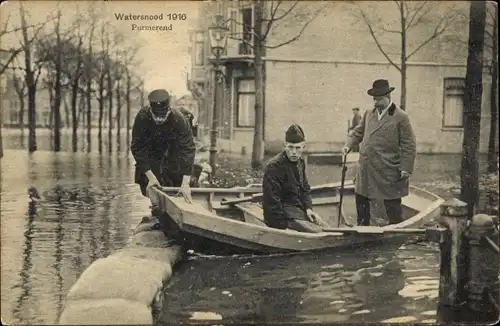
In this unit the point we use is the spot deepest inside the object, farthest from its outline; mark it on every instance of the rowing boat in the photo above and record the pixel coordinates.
(208, 220)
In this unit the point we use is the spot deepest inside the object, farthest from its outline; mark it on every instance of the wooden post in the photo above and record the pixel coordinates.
(453, 271)
(483, 286)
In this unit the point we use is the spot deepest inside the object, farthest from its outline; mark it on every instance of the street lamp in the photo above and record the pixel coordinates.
(218, 33)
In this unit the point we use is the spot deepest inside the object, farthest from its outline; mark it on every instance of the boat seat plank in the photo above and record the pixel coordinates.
(415, 202)
(253, 213)
(326, 201)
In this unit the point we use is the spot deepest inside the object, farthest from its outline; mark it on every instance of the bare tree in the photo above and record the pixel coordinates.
(491, 62)
(411, 14)
(20, 89)
(127, 61)
(10, 53)
(89, 69)
(119, 71)
(472, 105)
(103, 72)
(271, 19)
(491, 45)
(32, 73)
(75, 78)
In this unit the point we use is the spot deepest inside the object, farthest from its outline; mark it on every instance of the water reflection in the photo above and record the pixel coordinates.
(362, 286)
(88, 206)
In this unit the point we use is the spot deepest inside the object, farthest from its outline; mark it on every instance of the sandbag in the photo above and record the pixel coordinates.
(151, 239)
(131, 279)
(169, 255)
(105, 312)
(148, 223)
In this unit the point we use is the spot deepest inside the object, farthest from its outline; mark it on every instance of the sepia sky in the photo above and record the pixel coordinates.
(164, 54)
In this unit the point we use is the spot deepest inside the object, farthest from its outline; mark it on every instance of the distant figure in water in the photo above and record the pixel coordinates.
(33, 194)
(34, 198)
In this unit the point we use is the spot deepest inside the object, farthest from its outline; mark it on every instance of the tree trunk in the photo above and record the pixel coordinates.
(89, 90)
(472, 106)
(89, 116)
(57, 97)
(402, 103)
(74, 97)
(66, 110)
(258, 139)
(492, 153)
(127, 99)
(21, 113)
(30, 84)
(51, 104)
(110, 109)
(101, 113)
(118, 114)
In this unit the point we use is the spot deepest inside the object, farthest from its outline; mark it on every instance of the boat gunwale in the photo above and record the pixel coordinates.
(436, 201)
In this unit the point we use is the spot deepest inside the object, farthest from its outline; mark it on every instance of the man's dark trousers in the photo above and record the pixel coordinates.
(392, 207)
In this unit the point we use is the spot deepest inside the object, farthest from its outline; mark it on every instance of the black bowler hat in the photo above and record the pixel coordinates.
(295, 134)
(380, 87)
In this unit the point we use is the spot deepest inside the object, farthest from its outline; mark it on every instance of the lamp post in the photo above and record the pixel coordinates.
(218, 33)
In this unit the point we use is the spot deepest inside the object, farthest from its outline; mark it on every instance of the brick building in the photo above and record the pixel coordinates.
(316, 80)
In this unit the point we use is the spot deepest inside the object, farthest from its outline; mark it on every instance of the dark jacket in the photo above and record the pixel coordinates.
(282, 187)
(356, 119)
(150, 142)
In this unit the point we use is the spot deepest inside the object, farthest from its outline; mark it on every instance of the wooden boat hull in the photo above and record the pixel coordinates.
(206, 224)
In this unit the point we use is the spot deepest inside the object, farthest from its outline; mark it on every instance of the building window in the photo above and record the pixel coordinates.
(199, 48)
(246, 35)
(233, 23)
(453, 102)
(246, 103)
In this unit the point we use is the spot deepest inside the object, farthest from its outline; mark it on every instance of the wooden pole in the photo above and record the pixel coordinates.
(453, 271)
(483, 286)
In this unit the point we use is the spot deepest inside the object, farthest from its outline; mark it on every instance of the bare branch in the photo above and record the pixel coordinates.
(391, 30)
(12, 56)
(299, 34)
(271, 20)
(437, 32)
(4, 30)
(406, 9)
(275, 19)
(411, 20)
(372, 33)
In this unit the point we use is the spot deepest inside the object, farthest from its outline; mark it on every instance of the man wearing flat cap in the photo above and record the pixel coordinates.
(356, 119)
(386, 155)
(162, 145)
(287, 202)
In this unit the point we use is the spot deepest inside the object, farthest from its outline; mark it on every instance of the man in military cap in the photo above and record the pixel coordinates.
(162, 145)
(286, 192)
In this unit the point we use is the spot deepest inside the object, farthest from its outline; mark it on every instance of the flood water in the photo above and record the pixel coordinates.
(90, 205)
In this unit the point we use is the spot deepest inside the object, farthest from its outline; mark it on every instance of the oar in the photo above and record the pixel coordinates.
(253, 198)
(342, 181)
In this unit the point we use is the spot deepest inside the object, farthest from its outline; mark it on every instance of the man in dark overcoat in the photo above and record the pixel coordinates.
(386, 156)
(287, 202)
(162, 145)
